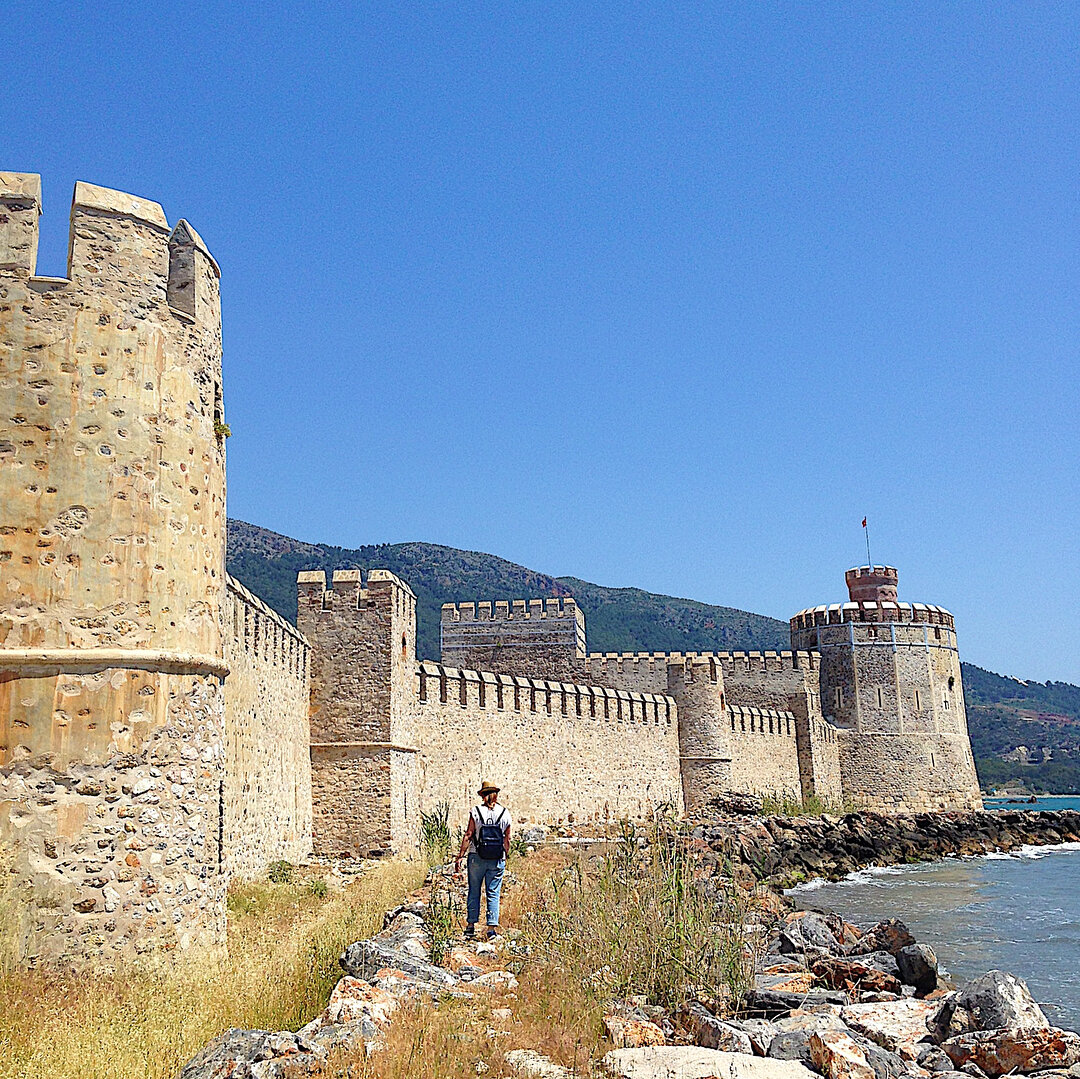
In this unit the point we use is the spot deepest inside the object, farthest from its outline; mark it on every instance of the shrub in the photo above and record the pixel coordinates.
(280, 872)
(644, 920)
(435, 837)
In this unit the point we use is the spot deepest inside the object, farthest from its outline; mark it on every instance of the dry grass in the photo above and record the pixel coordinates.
(641, 914)
(143, 1022)
(552, 1014)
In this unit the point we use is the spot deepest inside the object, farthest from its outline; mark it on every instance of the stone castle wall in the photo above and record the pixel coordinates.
(112, 488)
(267, 801)
(750, 723)
(534, 638)
(561, 752)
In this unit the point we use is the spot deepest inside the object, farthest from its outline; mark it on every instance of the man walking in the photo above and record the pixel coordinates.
(487, 839)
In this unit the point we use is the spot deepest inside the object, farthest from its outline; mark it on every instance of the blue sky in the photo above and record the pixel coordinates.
(657, 295)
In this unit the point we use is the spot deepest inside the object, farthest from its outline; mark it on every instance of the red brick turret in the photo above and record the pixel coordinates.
(876, 584)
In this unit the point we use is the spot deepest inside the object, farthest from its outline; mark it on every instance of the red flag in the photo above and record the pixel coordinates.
(864, 522)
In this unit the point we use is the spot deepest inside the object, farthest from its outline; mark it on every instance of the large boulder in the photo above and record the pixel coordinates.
(918, 966)
(256, 1054)
(769, 1003)
(713, 1033)
(807, 931)
(889, 936)
(996, 999)
(693, 1062)
(366, 958)
(1019, 1049)
(632, 1033)
(898, 1026)
(838, 1056)
(875, 972)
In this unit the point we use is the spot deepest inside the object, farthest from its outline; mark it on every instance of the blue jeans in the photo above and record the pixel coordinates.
(490, 874)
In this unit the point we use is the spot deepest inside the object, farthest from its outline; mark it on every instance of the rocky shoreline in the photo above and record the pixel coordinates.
(782, 851)
(828, 999)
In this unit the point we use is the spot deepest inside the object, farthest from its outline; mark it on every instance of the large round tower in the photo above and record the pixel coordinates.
(112, 518)
(890, 680)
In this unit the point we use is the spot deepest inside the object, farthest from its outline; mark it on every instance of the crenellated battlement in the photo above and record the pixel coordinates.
(347, 590)
(833, 614)
(507, 610)
(262, 632)
(749, 720)
(120, 249)
(638, 662)
(439, 684)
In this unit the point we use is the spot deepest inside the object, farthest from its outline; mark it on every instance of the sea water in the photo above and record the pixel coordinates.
(1017, 911)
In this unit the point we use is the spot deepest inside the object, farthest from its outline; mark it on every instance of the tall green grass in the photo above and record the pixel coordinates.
(644, 919)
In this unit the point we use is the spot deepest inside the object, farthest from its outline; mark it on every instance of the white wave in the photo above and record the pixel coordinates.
(807, 886)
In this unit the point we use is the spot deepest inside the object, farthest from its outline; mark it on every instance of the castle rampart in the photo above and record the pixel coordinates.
(538, 638)
(267, 796)
(112, 582)
(621, 748)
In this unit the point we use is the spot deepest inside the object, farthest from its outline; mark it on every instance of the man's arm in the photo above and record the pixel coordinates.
(465, 842)
(506, 840)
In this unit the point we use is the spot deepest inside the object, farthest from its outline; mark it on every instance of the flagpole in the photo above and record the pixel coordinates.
(866, 530)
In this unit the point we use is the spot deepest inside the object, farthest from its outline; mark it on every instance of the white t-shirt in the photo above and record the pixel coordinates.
(484, 815)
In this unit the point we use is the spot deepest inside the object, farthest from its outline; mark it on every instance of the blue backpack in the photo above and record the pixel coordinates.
(489, 837)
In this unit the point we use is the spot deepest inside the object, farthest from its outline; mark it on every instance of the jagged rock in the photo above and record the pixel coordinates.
(838, 1056)
(1021, 1049)
(769, 1003)
(713, 1033)
(898, 1026)
(533, 1065)
(932, 1058)
(256, 1054)
(791, 1045)
(534, 834)
(366, 958)
(918, 967)
(694, 1062)
(795, 982)
(996, 999)
(632, 1033)
(497, 981)
(873, 972)
(889, 936)
(351, 1001)
(807, 930)
(760, 1033)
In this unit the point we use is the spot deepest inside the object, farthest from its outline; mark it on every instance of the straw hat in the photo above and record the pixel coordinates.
(488, 788)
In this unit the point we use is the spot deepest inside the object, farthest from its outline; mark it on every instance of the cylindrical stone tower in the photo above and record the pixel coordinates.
(112, 524)
(697, 684)
(890, 680)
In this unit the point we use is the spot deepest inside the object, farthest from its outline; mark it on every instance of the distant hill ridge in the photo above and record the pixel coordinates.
(1003, 713)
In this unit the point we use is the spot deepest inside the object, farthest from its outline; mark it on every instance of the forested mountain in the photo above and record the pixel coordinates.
(1021, 732)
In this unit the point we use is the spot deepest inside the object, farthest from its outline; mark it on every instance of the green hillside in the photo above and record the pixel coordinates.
(616, 619)
(1003, 713)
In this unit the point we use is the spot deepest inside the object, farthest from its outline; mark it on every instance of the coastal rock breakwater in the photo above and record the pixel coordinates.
(782, 851)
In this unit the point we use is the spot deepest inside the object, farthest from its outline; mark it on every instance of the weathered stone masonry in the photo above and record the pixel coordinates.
(112, 497)
(267, 766)
(113, 740)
